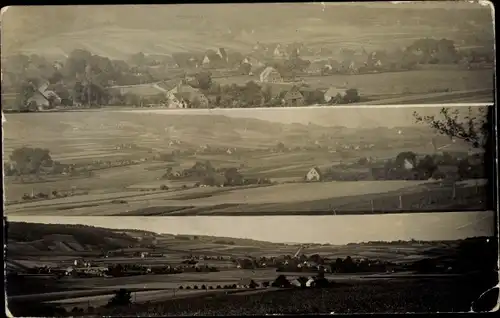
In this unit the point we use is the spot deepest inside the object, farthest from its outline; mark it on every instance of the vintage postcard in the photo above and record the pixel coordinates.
(213, 56)
(243, 159)
(312, 161)
(179, 266)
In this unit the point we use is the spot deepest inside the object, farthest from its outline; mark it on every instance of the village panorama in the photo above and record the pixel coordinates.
(211, 56)
(178, 266)
(269, 161)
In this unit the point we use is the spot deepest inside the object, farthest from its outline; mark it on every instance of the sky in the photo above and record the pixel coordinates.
(337, 230)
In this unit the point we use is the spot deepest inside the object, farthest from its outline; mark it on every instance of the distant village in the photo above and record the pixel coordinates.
(272, 74)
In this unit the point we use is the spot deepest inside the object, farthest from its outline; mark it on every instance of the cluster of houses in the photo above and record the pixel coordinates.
(183, 95)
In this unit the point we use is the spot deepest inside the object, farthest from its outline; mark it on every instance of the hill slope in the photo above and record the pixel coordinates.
(118, 31)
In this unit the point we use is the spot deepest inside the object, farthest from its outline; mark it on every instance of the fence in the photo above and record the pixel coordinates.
(442, 199)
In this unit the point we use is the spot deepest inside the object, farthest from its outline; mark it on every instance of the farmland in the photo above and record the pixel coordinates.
(86, 137)
(396, 87)
(153, 291)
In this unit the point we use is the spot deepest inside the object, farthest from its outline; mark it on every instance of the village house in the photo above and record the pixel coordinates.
(279, 52)
(333, 92)
(184, 94)
(270, 75)
(44, 98)
(316, 67)
(314, 174)
(293, 98)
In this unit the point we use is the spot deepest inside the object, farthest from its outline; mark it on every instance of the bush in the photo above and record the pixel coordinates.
(281, 281)
(195, 287)
(218, 287)
(181, 287)
(253, 284)
(188, 287)
(210, 287)
(163, 187)
(121, 298)
(203, 287)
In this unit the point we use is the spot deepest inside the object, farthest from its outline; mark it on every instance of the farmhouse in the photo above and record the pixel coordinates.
(278, 52)
(314, 174)
(332, 92)
(316, 67)
(184, 93)
(44, 98)
(293, 98)
(270, 75)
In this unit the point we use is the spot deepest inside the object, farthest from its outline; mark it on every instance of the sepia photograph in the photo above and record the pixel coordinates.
(248, 161)
(186, 266)
(214, 56)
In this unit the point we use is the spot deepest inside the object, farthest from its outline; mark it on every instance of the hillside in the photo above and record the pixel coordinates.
(69, 135)
(36, 237)
(120, 31)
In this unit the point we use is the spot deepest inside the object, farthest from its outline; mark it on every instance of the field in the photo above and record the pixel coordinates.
(134, 189)
(161, 294)
(84, 292)
(417, 86)
(392, 296)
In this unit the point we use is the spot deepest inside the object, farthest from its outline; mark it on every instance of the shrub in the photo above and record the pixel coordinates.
(281, 281)
(163, 187)
(203, 287)
(121, 298)
(188, 287)
(195, 287)
(181, 287)
(218, 287)
(210, 287)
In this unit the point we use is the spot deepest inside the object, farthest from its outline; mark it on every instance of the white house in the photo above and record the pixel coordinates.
(206, 61)
(332, 92)
(310, 282)
(314, 174)
(408, 165)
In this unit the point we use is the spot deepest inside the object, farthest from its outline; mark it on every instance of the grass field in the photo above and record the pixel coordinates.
(83, 137)
(477, 85)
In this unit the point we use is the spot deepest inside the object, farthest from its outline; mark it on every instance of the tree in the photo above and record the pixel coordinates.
(245, 68)
(26, 91)
(233, 177)
(471, 126)
(281, 281)
(351, 96)
(280, 146)
(29, 160)
(204, 80)
(253, 284)
(404, 156)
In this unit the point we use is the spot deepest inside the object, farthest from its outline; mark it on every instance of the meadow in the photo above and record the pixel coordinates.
(136, 189)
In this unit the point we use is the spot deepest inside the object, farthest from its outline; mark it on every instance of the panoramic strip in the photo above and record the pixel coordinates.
(193, 160)
(309, 161)
(183, 266)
